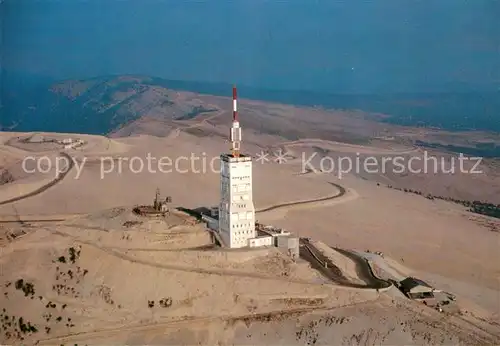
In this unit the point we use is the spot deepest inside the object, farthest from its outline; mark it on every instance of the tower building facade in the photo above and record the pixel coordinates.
(236, 208)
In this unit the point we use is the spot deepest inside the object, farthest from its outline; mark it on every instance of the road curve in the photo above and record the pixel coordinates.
(318, 260)
(45, 187)
(363, 269)
(341, 193)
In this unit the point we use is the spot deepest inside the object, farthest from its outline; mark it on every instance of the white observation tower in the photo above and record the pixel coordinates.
(236, 209)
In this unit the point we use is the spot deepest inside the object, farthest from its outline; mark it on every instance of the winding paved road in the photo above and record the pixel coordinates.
(318, 260)
(341, 193)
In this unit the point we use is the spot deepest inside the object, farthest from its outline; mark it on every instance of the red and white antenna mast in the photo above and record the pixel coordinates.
(235, 104)
(235, 133)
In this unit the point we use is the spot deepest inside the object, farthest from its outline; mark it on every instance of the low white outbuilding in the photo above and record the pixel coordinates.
(260, 241)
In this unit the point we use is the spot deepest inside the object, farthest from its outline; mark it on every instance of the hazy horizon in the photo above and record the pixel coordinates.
(355, 47)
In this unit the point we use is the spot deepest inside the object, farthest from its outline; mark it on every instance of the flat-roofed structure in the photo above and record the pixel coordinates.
(416, 289)
(236, 209)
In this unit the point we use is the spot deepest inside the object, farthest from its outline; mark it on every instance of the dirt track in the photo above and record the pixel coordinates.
(340, 146)
(160, 326)
(46, 186)
(219, 272)
(31, 220)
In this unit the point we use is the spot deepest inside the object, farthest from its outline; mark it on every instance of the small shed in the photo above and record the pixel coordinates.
(288, 243)
(416, 289)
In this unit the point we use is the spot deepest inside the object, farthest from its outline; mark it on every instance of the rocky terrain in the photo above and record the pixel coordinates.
(82, 268)
(127, 281)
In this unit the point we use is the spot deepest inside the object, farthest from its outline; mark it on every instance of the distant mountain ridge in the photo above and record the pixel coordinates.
(102, 104)
(94, 106)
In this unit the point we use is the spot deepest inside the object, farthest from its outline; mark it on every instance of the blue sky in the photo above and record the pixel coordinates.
(334, 46)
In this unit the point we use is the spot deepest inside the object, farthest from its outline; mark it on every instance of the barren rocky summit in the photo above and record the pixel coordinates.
(80, 266)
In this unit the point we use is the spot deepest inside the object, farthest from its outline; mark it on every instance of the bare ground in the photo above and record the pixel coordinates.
(216, 294)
